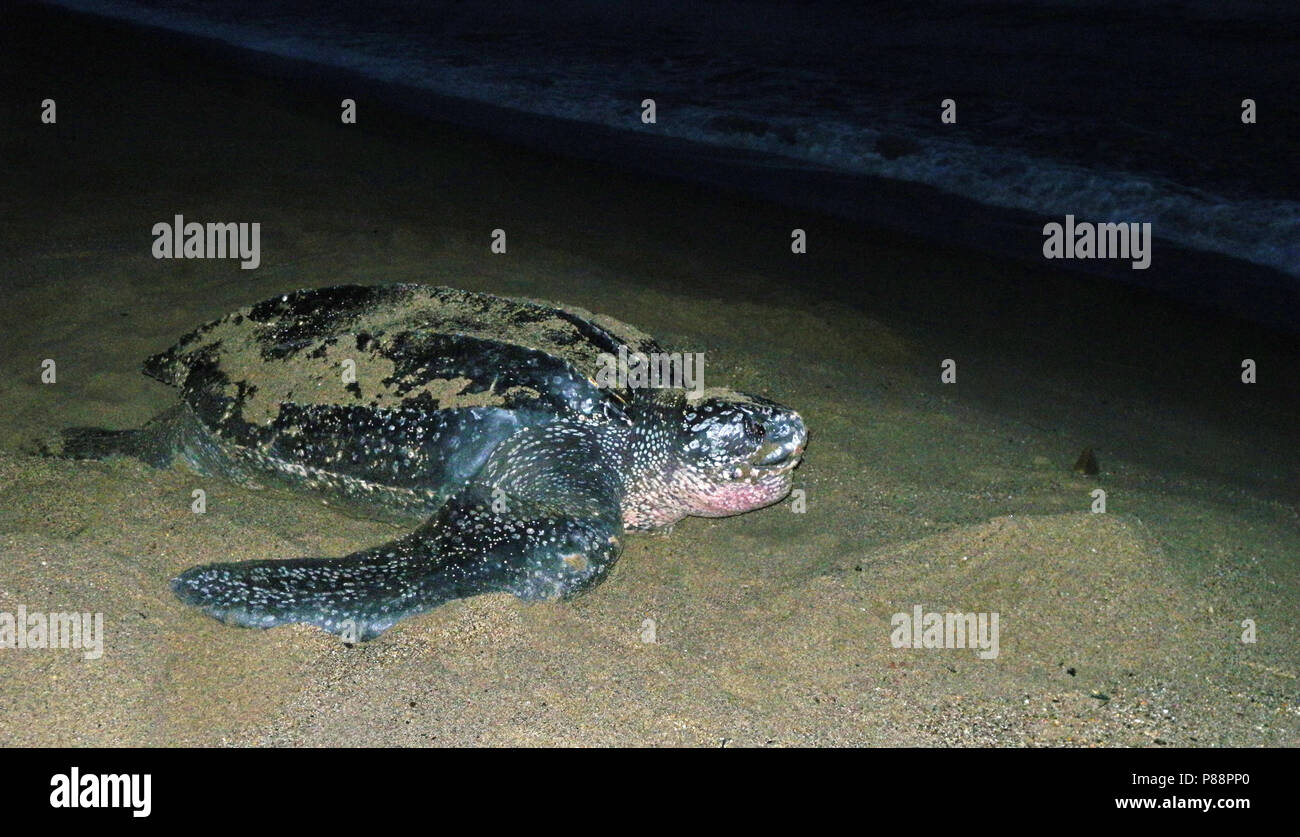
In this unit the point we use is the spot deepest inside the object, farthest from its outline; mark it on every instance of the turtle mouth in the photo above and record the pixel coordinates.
(776, 454)
(770, 459)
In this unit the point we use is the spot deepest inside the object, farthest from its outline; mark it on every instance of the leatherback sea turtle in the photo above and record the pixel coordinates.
(475, 413)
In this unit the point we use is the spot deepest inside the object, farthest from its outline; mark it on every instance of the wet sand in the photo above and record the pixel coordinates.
(773, 628)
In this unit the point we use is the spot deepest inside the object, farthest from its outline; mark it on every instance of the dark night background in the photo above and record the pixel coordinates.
(1112, 110)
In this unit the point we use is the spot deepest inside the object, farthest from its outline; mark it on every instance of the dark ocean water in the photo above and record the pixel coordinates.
(1110, 110)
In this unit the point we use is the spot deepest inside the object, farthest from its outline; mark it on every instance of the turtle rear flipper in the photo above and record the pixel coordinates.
(172, 434)
(97, 443)
(155, 444)
(467, 549)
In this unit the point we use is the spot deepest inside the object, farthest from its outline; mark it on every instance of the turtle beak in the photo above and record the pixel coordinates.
(783, 442)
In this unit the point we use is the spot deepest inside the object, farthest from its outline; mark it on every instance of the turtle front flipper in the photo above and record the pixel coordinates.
(467, 549)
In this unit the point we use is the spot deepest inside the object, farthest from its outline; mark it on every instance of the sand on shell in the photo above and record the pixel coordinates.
(773, 628)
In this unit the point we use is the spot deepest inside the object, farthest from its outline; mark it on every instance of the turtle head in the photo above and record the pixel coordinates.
(737, 452)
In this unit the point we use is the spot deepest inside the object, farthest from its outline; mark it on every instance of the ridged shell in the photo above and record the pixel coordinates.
(394, 384)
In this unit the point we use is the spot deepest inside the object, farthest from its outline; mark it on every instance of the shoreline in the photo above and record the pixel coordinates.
(910, 210)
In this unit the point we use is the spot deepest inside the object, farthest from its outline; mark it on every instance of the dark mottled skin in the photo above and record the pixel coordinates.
(475, 413)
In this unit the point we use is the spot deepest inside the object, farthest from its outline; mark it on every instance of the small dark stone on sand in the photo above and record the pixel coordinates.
(1087, 463)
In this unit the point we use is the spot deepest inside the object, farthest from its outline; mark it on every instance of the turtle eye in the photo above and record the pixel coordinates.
(754, 429)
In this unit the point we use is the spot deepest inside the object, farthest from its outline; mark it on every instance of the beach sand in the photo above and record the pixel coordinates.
(773, 628)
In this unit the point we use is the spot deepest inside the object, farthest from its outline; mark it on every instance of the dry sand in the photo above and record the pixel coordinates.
(773, 628)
